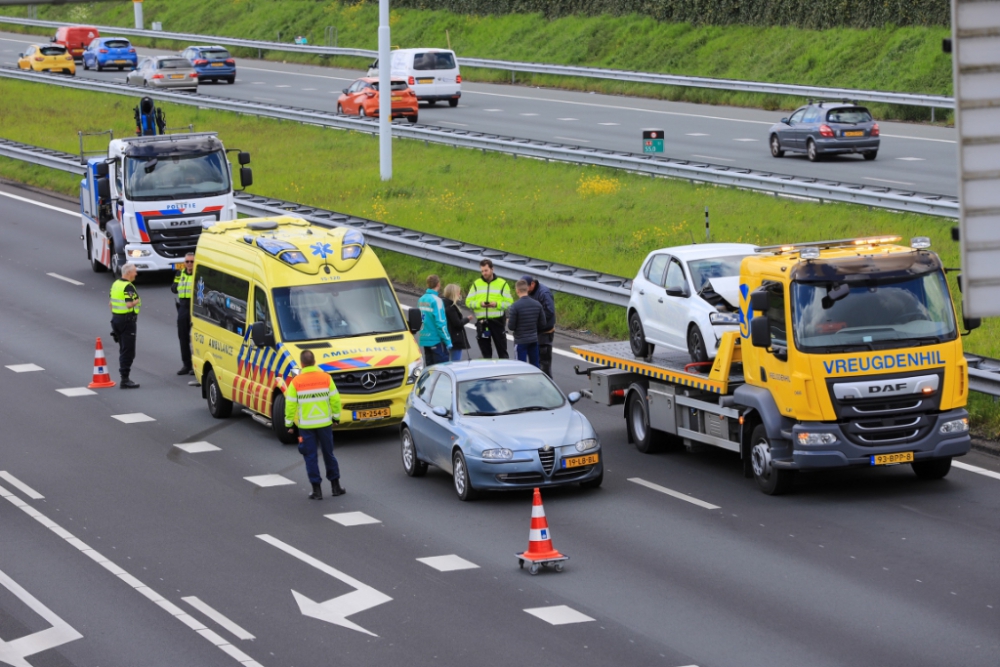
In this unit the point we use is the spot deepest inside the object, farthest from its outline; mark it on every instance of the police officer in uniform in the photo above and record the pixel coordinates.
(183, 287)
(489, 300)
(125, 303)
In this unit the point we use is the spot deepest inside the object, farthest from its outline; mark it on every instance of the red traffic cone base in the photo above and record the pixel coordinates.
(101, 378)
(540, 550)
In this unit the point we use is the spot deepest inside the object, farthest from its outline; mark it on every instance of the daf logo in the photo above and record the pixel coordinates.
(182, 223)
(368, 380)
(886, 388)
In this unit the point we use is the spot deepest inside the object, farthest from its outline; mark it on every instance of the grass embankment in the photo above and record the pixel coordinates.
(907, 59)
(583, 216)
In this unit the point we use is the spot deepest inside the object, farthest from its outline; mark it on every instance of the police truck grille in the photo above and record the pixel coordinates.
(360, 381)
(548, 459)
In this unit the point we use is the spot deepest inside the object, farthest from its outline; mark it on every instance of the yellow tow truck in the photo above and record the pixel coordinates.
(848, 354)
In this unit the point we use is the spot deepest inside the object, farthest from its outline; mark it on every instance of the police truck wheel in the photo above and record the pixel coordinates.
(933, 469)
(637, 422)
(637, 337)
(278, 422)
(116, 264)
(95, 265)
(218, 406)
(413, 466)
(696, 344)
(771, 480)
(460, 475)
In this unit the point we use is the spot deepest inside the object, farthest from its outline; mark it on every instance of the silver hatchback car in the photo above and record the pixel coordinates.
(164, 72)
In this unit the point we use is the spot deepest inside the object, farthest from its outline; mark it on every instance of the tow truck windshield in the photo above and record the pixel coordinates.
(176, 177)
(874, 315)
(341, 310)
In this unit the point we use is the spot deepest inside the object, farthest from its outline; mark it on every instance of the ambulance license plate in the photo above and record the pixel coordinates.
(430, 80)
(578, 461)
(854, 133)
(892, 459)
(380, 413)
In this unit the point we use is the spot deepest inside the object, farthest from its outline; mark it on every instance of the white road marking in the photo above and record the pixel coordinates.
(64, 278)
(528, 114)
(335, 610)
(278, 71)
(698, 134)
(75, 214)
(76, 391)
(133, 418)
(137, 585)
(282, 85)
(448, 563)
(198, 447)
(448, 122)
(902, 136)
(709, 157)
(582, 141)
(257, 83)
(60, 632)
(976, 469)
(269, 480)
(559, 615)
(492, 110)
(305, 89)
(609, 123)
(265, 99)
(21, 486)
(885, 180)
(217, 616)
(352, 518)
(911, 159)
(25, 368)
(672, 493)
(568, 119)
(745, 139)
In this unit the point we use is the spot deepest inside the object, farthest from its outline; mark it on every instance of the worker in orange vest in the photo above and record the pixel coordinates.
(312, 403)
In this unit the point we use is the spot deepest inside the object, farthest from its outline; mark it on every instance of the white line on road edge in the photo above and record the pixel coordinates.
(216, 616)
(75, 214)
(710, 157)
(21, 486)
(69, 280)
(975, 469)
(139, 587)
(886, 180)
(582, 141)
(675, 494)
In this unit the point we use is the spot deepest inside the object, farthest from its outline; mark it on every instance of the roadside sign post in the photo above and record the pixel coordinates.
(137, 6)
(652, 141)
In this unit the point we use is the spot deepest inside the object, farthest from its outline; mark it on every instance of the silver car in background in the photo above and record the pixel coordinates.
(164, 72)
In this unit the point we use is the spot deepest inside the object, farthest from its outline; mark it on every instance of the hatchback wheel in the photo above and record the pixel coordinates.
(811, 151)
(870, 155)
(460, 474)
(696, 344)
(361, 112)
(453, 102)
(637, 337)
(776, 147)
(412, 119)
(413, 466)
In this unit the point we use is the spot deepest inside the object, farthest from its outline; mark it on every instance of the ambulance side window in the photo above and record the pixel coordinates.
(220, 298)
(261, 313)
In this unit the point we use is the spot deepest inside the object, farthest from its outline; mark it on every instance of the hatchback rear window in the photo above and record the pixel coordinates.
(437, 60)
(215, 54)
(849, 115)
(53, 50)
(396, 85)
(175, 63)
(117, 44)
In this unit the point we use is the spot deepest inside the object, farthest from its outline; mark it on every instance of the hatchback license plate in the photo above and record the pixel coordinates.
(176, 76)
(892, 459)
(362, 415)
(578, 461)
(854, 133)
(121, 62)
(218, 64)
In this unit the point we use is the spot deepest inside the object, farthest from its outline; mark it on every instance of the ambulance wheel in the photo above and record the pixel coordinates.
(218, 406)
(772, 481)
(933, 469)
(534, 568)
(278, 422)
(637, 422)
(460, 476)
(637, 337)
(413, 466)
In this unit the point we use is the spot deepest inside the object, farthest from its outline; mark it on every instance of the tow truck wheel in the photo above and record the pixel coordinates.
(278, 422)
(637, 337)
(637, 421)
(771, 480)
(933, 469)
(218, 406)
(413, 466)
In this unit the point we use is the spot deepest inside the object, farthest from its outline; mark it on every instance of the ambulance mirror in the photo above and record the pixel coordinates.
(414, 320)
(760, 332)
(260, 335)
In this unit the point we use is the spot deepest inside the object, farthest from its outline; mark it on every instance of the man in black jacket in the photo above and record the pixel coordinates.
(524, 320)
(546, 336)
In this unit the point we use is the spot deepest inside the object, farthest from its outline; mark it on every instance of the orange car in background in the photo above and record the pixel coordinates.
(76, 38)
(361, 99)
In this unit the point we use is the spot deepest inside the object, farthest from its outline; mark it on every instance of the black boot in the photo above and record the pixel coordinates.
(335, 488)
(185, 371)
(128, 384)
(317, 493)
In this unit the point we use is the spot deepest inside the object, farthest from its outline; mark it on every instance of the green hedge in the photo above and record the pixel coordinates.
(815, 14)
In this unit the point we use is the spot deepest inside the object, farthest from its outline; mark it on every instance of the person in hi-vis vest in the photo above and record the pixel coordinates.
(312, 403)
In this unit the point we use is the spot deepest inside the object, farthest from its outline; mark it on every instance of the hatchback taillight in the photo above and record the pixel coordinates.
(69, 57)
(874, 132)
(200, 61)
(156, 76)
(458, 78)
(131, 50)
(410, 81)
(39, 59)
(193, 75)
(230, 61)
(104, 50)
(825, 131)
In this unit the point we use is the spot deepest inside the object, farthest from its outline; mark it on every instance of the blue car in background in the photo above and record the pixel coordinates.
(110, 52)
(498, 424)
(212, 63)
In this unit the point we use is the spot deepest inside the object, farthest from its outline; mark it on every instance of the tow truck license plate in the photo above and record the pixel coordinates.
(362, 415)
(578, 461)
(430, 80)
(892, 459)
(854, 133)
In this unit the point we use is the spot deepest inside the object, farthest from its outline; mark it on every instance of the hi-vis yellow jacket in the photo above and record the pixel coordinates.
(312, 400)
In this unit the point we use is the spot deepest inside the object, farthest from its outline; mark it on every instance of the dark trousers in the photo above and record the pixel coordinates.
(311, 439)
(124, 328)
(497, 330)
(436, 354)
(184, 330)
(545, 352)
(527, 352)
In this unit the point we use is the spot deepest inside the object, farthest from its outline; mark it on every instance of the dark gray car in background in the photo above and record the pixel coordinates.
(825, 128)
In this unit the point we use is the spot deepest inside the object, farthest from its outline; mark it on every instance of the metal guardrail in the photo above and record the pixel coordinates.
(984, 373)
(888, 97)
(692, 170)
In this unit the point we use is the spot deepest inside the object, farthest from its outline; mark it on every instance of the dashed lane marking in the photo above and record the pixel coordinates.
(197, 447)
(675, 494)
(698, 134)
(911, 159)
(25, 368)
(528, 114)
(448, 122)
(448, 563)
(64, 278)
(21, 486)
(76, 391)
(746, 139)
(568, 119)
(308, 89)
(269, 480)
(976, 469)
(133, 418)
(282, 85)
(559, 615)
(218, 617)
(492, 110)
(352, 518)
(75, 214)
(609, 123)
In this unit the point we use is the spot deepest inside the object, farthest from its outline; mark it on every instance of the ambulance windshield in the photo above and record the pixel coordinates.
(337, 310)
(150, 178)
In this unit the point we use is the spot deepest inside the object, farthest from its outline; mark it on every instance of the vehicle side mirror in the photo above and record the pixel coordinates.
(52, 39)
(414, 320)
(104, 189)
(677, 291)
(441, 411)
(970, 323)
(261, 335)
(101, 169)
(760, 332)
(246, 177)
(344, 91)
(759, 300)
(785, 121)
(574, 396)
(243, 157)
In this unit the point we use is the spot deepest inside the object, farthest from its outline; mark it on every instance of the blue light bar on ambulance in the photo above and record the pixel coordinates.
(283, 250)
(352, 245)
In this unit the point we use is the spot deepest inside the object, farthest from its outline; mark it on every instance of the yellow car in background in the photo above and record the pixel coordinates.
(50, 57)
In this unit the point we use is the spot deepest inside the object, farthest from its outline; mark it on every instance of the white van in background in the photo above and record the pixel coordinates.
(431, 73)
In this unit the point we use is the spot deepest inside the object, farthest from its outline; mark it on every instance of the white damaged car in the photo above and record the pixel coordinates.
(685, 298)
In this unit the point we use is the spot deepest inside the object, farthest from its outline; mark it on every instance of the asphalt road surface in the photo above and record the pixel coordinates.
(912, 157)
(120, 547)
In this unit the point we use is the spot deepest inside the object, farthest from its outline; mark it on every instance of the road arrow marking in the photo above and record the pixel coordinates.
(335, 610)
(14, 652)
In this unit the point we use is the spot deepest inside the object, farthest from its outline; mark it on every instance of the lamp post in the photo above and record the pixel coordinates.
(384, 93)
(137, 6)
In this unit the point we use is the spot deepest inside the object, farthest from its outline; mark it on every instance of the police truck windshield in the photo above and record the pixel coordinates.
(874, 315)
(337, 310)
(176, 177)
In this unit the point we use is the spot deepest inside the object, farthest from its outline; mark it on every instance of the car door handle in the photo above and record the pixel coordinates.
(660, 299)
(423, 414)
(642, 292)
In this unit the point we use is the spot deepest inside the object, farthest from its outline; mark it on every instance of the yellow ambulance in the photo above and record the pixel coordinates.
(265, 289)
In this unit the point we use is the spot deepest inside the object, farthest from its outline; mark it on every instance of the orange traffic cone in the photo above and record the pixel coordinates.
(540, 551)
(101, 377)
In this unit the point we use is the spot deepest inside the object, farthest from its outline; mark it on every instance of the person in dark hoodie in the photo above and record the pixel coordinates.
(524, 320)
(457, 320)
(543, 295)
